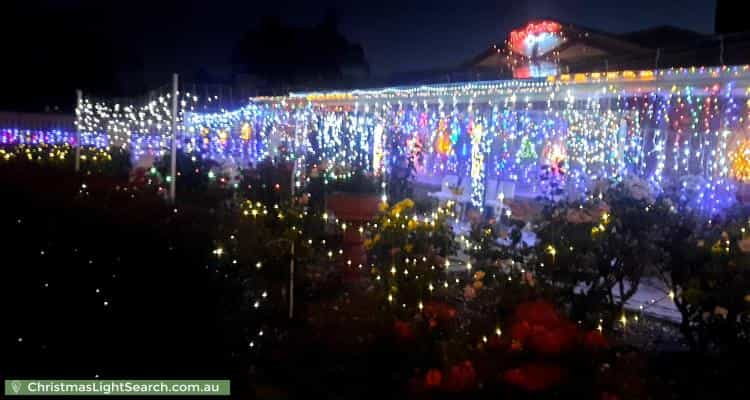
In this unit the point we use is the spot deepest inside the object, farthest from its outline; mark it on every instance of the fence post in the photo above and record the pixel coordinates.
(79, 96)
(173, 161)
(291, 262)
(291, 282)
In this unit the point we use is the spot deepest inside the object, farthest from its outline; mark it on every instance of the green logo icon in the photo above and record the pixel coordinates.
(16, 386)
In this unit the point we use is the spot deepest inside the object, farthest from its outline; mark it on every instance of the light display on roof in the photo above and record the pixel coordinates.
(536, 39)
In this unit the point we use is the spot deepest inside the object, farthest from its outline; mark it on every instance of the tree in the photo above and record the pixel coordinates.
(55, 51)
(299, 57)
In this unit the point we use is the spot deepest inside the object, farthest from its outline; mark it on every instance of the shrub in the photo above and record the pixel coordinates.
(708, 274)
(409, 252)
(593, 254)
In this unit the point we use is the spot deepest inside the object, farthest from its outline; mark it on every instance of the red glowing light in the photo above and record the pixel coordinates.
(542, 35)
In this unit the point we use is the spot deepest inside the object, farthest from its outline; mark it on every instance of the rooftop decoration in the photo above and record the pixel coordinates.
(536, 39)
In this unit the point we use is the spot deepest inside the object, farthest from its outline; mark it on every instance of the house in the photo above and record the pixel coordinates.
(547, 47)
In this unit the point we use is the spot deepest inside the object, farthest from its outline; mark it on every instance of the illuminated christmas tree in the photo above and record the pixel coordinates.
(527, 150)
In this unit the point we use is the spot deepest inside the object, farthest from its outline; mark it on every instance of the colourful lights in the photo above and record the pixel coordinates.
(671, 127)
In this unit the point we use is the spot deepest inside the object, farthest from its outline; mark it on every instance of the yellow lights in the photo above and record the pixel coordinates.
(498, 331)
(645, 75)
(740, 161)
(551, 250)
(246, 131)
(329, 96)
(612, 75)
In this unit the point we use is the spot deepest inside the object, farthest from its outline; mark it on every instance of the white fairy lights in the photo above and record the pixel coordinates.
(674, 126)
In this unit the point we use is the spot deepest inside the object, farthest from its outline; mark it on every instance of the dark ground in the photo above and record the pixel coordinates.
(165, 315)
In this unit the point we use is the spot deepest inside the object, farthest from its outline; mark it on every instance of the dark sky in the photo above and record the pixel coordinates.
(402, 35)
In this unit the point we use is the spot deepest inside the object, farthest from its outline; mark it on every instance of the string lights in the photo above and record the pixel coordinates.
(667, 126)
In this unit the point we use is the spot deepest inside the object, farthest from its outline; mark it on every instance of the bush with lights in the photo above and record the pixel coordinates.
(198, 179)
(111, 162)
(254, 250)
(708, 276)
(498, 280)
(594, 253)
(267, 182)
(410, 253)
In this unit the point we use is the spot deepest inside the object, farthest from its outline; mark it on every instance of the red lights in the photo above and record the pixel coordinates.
(523, 40)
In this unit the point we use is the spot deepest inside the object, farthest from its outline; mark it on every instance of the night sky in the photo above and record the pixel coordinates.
(161, 36)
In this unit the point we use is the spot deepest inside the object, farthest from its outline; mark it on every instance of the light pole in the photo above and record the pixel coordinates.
(79, 95)
(173, 161)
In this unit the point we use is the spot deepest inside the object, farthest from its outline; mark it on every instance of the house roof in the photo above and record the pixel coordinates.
(575, 35)
(587, 50)
(665, 36)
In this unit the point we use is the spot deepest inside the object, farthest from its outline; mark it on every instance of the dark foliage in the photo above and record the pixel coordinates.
(287, 56)
(358, 183)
